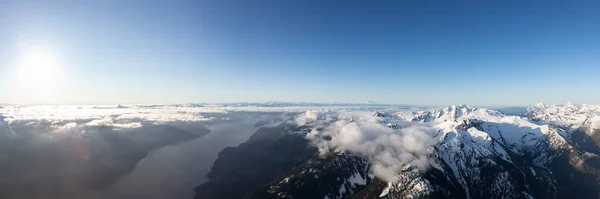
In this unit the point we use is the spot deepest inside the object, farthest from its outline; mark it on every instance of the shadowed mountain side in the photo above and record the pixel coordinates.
(267, 154)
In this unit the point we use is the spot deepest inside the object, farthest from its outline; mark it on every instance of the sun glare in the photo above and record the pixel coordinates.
(37, 71)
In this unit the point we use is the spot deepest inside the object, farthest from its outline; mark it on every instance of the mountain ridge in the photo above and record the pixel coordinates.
(473, 153)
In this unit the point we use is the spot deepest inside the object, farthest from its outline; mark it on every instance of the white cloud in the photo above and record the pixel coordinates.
(108, 121)
(69, 118)
(311, 116)
(74, 112)
(66, 126)
(390, 151)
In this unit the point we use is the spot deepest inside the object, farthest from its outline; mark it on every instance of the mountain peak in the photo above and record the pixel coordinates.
(539, 105)
(570, 104)
(461, 106)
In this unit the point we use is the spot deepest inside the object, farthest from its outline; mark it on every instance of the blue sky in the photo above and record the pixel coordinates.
(408, 52)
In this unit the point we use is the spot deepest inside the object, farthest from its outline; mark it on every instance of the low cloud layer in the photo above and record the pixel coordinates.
(55, 122)
(390, 150)
(92, 112)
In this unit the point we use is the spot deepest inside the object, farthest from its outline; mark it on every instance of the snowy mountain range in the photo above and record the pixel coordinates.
(450, 152)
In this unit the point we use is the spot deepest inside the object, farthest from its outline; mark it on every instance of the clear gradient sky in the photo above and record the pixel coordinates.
(408, 52)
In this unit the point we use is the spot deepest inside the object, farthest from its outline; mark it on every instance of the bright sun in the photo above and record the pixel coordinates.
(37, 70)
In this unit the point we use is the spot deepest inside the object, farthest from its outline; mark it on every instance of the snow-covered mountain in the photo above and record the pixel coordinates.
(490, 155)
(568, 116)
(450, 152)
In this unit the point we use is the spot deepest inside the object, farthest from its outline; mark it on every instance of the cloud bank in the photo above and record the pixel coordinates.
(390, 151)
(74, 121)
